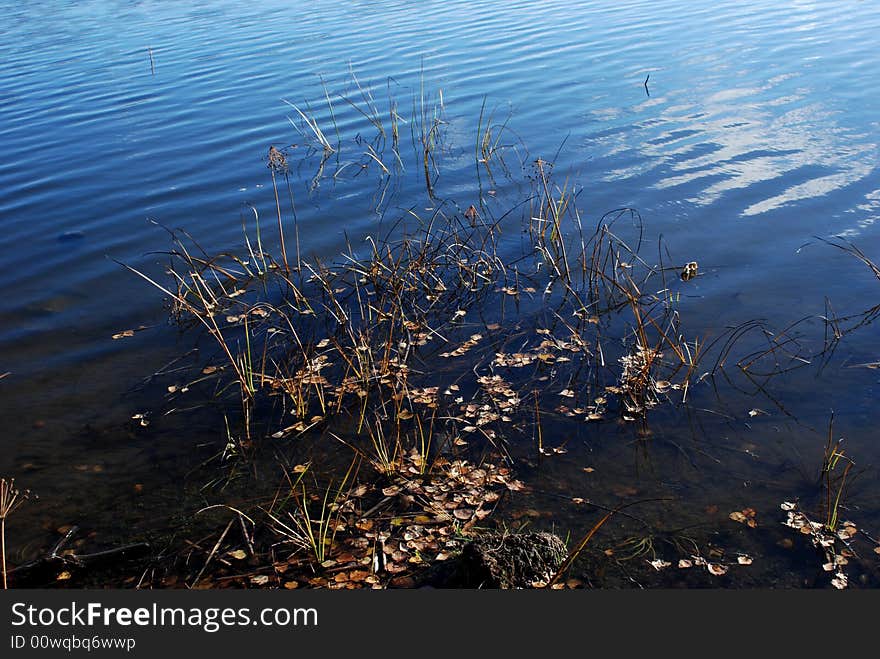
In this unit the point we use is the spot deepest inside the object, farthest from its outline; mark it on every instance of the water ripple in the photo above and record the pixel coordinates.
(762, 112)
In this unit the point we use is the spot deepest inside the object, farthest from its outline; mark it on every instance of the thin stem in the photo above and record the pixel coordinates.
(3, 545)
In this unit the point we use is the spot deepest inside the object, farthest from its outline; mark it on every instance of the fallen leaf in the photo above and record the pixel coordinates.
(744, 560)
(745, 516)
(848, 531)
(359, 491)
(238, 554)
(717, 569)
(142, 418)
(260, 580)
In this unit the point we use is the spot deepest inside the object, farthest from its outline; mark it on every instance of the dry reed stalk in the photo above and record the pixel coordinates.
(11, 498)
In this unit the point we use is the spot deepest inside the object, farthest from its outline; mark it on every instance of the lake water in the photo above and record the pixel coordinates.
(741, 132)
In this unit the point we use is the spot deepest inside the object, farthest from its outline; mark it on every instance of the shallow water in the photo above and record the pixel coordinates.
(756, 132)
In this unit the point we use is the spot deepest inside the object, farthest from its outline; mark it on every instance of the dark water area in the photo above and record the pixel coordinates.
(743, 133)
